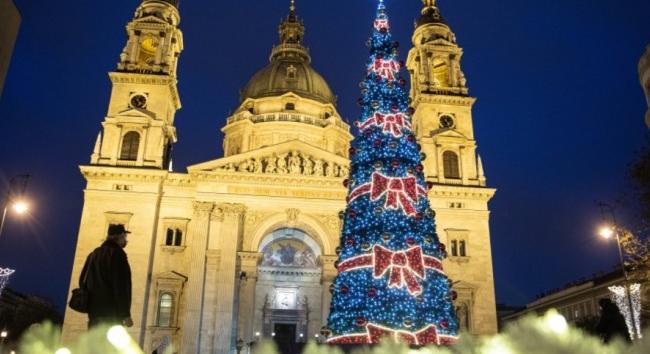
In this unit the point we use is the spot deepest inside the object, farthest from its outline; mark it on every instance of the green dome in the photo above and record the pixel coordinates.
(290, 69)
(286, 75)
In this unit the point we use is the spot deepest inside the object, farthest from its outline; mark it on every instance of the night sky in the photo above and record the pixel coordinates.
(559, 113)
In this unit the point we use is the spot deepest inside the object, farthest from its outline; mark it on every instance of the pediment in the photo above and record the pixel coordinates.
(463, 285)
(171, 276)
(448, 133)
(289, 158)
(137, 112)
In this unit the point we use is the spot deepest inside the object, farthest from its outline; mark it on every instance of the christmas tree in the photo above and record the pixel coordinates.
(390, 281)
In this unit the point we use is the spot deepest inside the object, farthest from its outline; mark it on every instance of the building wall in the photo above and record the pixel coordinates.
(9, 24)
(644, 76)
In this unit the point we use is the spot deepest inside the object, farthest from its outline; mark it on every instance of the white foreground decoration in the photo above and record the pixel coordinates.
(620, 298)
(5, 273)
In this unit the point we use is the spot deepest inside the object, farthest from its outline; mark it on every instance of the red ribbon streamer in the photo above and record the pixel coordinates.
(375, 333)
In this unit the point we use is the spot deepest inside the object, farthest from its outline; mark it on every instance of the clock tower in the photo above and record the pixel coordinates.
(138, 130)
(443, 125)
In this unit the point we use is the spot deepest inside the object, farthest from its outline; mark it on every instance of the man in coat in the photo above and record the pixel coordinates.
(612, 323)
(108, 280)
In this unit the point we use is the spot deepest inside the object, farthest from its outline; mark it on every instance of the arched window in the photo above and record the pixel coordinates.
(440, 72)
(450, 164)
(165, 310)
(290, 107)
(130, 146)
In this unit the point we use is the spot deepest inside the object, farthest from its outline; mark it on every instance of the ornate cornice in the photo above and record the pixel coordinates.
(462, 192)
(268, 179)
(144, 79)
(444, 99)
(122, 173)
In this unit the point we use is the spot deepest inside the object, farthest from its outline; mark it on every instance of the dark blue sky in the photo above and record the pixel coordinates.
(558, 118)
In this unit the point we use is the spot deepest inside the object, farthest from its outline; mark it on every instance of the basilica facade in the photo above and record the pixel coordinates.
(244, 246)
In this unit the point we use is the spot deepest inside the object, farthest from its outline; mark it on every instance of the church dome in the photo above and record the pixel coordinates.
(286, 75)
(290, 69)
(430, 15)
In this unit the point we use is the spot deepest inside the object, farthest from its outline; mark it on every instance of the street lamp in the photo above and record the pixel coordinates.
(609, 232)
(14, 198)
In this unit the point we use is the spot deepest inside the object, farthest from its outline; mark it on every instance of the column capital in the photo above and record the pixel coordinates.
(231, 209)
(203, 208)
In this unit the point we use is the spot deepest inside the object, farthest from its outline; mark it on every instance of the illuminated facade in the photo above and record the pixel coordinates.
(9, 24)
(245, 244)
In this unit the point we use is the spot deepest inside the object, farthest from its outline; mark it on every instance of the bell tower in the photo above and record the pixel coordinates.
(443, 118)
(443, 125)
(138, 130)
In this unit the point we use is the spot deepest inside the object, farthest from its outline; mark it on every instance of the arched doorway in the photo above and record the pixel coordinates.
(288, 292)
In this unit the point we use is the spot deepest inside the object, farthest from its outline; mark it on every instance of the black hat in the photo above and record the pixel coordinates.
(114, 230)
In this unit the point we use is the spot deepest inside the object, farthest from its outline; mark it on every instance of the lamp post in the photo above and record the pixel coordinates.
(609, 232)
(14, 198)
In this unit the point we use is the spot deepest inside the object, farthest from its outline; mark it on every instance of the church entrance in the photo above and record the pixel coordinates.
(285, 337)
(288, 305)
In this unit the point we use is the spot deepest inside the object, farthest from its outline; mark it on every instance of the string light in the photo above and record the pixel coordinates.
(390, 282)
(620, 298)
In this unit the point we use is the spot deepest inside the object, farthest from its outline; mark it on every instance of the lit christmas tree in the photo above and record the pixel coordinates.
(390, 280)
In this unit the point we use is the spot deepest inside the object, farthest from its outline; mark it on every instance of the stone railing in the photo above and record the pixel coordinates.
(289, 117)
(293, 163)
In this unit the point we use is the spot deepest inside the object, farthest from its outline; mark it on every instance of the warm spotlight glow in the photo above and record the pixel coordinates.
(63, 351)
(4, 334)
(556, 322)
(119, 337)
(20, 207)
(606, 232)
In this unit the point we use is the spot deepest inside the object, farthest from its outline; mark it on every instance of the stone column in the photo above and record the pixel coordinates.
(329, 273)
(199, 229)
(226, 280)
(247, 286)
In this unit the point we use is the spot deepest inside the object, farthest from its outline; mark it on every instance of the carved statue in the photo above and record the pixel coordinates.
(463, 80)
(307, 166)
(282, 164)
(344, 171)
(257, 165)
(243, 166)
(294, 163)
(330, 171)
(271, 164)
(318, 167)
(230, 167)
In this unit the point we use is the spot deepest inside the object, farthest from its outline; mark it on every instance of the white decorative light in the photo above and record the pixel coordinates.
(621, 300)
(556, 322)
(5, 273)
(63, 351)
(119, 337)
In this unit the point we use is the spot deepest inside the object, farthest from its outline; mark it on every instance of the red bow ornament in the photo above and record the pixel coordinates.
(401, 192)
(385, 68)
(405, 268)
(390, 123)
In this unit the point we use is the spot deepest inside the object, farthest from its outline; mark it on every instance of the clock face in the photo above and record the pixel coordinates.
(149, 45)
(138, 101)
(446, 121)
